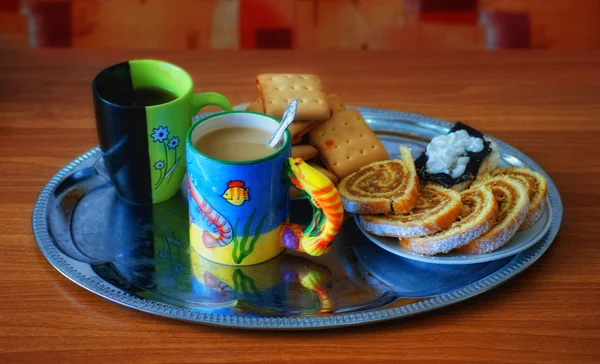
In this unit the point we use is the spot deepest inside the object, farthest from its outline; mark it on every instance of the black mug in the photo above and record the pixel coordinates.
(144, 109)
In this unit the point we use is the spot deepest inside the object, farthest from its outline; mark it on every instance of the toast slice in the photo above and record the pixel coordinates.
(437, 208)
(513, 200)
(384, 187)
(538, 189)
(478, 216)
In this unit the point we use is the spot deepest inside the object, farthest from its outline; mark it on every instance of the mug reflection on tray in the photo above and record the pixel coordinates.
(253, 283)
(264, 286)
(148, 248)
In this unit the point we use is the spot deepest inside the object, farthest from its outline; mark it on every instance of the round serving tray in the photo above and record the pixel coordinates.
(140, 257)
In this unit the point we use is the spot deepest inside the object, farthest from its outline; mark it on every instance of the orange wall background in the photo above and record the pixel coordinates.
(304, 24)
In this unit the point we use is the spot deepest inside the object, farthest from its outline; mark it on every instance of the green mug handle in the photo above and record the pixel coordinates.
(203, 99)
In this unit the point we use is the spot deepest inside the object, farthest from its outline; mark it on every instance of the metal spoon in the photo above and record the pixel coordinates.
(286, 120)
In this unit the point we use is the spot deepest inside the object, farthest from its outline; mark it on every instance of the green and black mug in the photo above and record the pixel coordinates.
(144, 109)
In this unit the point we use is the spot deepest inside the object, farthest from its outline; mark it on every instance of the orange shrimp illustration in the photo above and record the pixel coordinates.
(317, 238)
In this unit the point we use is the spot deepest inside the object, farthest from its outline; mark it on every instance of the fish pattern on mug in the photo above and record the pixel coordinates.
(236, 194)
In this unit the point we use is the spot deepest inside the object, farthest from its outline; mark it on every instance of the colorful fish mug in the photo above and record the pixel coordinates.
(239, 211)
(144, 109)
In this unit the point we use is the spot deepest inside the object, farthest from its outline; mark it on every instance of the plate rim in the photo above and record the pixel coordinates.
(82, 274)
(468, 259)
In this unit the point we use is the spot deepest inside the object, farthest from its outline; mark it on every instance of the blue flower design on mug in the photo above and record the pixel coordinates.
(166, 166)
(160, 134)
(163, 254)
(167, 282)
(158, 165)
(173, 142)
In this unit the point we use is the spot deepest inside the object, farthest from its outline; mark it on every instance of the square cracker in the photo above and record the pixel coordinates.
(256, 106)
(304, 152)
(335, 104)
(299, 128)
(278, 90)
(346, 143)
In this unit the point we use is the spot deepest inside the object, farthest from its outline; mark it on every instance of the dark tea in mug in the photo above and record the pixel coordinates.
(141, 96)
(148, 96)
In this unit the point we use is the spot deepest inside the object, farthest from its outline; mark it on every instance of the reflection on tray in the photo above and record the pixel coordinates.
(145, 250)
(252, 282)
(414, 279)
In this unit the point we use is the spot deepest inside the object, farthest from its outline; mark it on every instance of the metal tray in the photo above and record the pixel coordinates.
(139, 256)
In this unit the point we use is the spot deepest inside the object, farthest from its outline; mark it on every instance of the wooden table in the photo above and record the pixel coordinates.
(545, 104)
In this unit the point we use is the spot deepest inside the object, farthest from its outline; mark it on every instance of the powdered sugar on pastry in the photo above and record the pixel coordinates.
(533, 216)
(488, 243)
(513, 200)
(447, 243)
(478, 216)
(394, 230)
(437, 207)
(538, 188)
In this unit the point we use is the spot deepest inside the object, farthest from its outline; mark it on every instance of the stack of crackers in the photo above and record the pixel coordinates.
(332, 138)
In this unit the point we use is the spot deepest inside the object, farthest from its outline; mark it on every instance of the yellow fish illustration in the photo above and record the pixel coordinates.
(236, 194)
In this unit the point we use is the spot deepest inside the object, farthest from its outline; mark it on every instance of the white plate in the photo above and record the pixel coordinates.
(521, 241)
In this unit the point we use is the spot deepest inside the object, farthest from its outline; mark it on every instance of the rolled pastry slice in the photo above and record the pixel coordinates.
(513, 200)
(384, 187)
(437, 208)
(538, 189)
(478, 216)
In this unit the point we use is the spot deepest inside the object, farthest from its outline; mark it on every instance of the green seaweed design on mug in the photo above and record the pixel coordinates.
(244, 284)
(242, 248)
(165, 166)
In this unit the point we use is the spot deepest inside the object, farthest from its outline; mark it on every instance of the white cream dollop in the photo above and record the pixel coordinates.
(448, 153)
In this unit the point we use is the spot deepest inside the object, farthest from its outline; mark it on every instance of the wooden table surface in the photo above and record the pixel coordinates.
(545, 104)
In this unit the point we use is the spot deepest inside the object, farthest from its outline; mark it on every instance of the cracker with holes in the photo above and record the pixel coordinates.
(299, 128)
(346, 143)
(335, 104)
(256, 106)
(304, 152)
(278, 90)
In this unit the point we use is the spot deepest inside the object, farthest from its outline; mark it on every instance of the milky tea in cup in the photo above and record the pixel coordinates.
(235, 144)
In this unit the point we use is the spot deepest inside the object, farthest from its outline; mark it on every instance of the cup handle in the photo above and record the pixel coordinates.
(328, 213)
(203, 99)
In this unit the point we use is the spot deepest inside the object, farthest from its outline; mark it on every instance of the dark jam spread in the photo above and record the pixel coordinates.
(471, 169)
